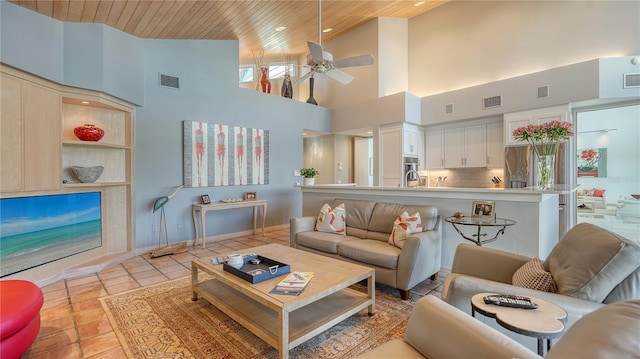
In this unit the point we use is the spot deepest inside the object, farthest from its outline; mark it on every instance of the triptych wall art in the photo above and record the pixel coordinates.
(222, 155)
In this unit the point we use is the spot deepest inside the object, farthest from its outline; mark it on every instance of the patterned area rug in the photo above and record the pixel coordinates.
(162, 321)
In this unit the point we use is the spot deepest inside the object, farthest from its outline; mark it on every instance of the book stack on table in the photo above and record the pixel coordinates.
(293, 284)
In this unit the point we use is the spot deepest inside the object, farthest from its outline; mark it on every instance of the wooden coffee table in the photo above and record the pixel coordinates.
(545, 322)
(285, 321)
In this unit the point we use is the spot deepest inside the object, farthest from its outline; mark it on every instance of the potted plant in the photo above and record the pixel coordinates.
(309, 175)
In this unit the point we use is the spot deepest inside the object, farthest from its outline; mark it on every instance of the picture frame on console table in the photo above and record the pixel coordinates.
(250, 196)
(205, 199)
(483, 209)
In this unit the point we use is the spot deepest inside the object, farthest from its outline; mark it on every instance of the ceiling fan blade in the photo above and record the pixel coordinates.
(362, 60)
(316, 51)
(306, 76)
(342, 77)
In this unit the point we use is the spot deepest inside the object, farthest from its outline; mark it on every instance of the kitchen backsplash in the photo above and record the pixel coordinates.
(464, 177)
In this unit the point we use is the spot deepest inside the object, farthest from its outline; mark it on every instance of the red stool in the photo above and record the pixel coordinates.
(20, 303)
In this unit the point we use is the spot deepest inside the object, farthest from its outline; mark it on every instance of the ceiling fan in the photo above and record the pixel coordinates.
(321, 62)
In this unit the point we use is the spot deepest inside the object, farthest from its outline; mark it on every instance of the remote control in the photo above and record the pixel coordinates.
(513, 301)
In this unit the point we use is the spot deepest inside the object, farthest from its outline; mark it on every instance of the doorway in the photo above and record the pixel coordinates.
(608, 168)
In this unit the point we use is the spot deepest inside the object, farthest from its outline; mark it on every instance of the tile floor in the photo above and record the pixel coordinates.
(607, 220)
(74, 324)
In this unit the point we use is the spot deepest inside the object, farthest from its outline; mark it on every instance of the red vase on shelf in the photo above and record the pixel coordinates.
(88, 132)
(265, 84)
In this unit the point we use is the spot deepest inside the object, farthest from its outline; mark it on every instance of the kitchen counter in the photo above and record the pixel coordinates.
(535, 211)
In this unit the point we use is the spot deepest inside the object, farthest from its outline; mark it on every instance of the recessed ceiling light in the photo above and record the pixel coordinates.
(84, 102)
(419, 3)
(281, 28)
(369, 132)
(329, 29)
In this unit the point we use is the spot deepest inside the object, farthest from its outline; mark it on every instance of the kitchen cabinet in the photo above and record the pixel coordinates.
(412, 141)
(465, 146)
(434, 149)
(29, 134)
(513, 121)
(397, 142)
(495, 146)
(390, 150)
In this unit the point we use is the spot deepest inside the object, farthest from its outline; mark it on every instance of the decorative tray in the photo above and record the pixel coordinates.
(256, 273)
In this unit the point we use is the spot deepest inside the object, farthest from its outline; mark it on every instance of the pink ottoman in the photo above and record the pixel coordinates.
(20, 303)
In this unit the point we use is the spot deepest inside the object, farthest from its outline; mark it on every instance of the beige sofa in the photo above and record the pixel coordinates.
(439, 330)
(590, 267)
(368, 226)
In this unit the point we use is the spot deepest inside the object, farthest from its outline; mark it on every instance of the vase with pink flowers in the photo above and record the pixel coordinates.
(545, 138)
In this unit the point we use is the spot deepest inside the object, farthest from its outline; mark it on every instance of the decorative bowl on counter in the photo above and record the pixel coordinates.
(88, 132)
(87, 174)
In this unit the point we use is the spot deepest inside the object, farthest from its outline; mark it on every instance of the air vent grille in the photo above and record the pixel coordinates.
(491, 102)
(543, 91)
(448, 108)
(169, 81)
(631, 80)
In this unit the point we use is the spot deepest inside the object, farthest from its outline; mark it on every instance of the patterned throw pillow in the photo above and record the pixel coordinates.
(403, 226)
(533, 276)
(332, 220)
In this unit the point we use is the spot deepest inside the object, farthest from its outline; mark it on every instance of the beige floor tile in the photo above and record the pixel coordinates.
(59, 285)
(112, 353)
(91, 279)
(146, 274)
(55, 294)
(178, 274)
(86, 292)
(55, 325)
(89, 315)
(123, 287)
(51, 342)
(66, 351)
(117, 280)
(86, 305)
(118, 273)
(153, 280)
(99, 344)
(140, 268)
(94, 328)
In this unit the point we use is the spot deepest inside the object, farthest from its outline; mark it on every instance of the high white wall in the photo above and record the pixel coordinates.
(466, 43)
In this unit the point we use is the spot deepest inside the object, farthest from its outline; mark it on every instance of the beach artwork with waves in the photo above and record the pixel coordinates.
(43, 229)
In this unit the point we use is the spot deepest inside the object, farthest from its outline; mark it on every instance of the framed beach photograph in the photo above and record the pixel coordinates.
(205, 199)
(248, 196)
(486, 209)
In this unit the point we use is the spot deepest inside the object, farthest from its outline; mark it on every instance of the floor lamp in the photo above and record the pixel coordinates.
(167, 249)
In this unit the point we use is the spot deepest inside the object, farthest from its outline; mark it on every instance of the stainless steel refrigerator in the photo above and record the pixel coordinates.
(520, 172)
(520, 167)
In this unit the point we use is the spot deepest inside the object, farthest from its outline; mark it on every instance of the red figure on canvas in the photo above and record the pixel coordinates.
(240, 153)
(199, 151)
(258, 152)
(221, 152)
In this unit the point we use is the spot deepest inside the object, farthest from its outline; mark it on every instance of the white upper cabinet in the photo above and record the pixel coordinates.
(412, 141)
(495, 145)
(465, 146)
(434, 151)
(532, 117)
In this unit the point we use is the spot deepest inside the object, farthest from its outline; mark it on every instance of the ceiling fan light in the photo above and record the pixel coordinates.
(419, 3)
(329, 29)
(281, 28)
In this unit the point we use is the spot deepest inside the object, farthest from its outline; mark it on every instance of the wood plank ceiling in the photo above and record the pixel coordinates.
(252, 23)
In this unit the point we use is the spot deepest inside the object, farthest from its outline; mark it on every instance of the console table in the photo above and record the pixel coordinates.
(204, 208)
(500, 223)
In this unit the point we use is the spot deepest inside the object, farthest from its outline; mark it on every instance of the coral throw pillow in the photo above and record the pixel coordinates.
(533, 276)
(403, 226)
(332, 220)
(598, 192)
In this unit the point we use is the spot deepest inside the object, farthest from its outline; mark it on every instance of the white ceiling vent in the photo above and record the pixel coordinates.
(491, 102)
(543, 91)
(448, 108)
(169, 81)
(631, 80)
